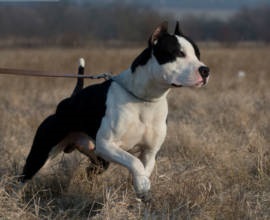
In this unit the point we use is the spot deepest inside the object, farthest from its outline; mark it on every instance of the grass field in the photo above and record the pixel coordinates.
(214, 164)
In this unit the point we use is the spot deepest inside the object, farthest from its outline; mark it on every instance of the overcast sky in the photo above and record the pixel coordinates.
(198, 4)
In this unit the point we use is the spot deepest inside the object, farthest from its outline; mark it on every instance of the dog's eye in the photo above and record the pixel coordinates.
(181, 53)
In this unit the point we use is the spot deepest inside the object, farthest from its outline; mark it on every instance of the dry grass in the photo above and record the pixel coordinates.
(214, 164)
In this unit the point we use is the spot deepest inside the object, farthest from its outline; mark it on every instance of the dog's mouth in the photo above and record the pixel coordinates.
(197, 84)
(175, 85)
(200, 83)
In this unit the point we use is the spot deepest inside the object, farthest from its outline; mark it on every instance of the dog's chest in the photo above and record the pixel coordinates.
(129, 121)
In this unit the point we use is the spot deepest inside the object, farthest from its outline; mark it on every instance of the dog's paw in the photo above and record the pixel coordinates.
(96, 167)
(142, 185)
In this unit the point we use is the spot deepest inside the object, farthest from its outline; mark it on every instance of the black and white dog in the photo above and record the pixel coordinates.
(106, 121)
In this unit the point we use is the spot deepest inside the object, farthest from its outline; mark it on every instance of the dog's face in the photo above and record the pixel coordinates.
(175, 59)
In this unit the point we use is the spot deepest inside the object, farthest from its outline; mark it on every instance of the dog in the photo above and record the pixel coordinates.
(106, 121)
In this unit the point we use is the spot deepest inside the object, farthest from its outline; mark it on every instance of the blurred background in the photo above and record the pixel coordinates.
(215, 161)
(74, 23)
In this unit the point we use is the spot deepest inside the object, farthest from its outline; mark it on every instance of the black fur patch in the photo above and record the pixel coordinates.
(196, 48)
(179, 33)
(84, 111)
(142, 59)
(81, 112)
(167, 49)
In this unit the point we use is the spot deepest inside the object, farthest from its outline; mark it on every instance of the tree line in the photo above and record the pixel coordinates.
(75, 25)
(248, 24)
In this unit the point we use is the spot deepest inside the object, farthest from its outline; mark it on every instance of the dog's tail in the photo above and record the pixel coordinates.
(80, 81)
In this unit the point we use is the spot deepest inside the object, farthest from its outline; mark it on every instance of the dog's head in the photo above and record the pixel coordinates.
(173, 58)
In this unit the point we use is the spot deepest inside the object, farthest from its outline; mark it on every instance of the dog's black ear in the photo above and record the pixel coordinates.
(158, 32)
(177, 30)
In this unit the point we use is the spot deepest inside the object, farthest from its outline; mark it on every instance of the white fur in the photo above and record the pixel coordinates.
(137, 110)
(82, 62)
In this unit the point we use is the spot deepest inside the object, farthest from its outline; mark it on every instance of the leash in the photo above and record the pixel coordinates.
(36, 73)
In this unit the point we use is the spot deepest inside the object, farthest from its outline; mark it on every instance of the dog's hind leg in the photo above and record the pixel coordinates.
(49, 134)
(86, 145)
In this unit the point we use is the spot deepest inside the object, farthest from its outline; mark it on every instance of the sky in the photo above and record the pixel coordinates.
(221, 9)
(198, 4)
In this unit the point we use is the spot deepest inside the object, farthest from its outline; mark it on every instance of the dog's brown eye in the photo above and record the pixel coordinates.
(181, 53)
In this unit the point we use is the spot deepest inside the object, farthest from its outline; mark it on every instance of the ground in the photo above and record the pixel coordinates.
(214, 164)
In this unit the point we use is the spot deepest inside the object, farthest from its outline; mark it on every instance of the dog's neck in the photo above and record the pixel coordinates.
(143, 84)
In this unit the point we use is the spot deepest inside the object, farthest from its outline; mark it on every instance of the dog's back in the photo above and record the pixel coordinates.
(84, 110)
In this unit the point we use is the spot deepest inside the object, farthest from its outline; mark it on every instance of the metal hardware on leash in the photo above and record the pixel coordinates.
(37, 73)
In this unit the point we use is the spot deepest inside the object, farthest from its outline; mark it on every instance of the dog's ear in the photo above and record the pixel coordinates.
(177, 30)
(158, 32)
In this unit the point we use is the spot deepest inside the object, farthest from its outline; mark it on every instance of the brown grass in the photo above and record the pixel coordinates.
(214, 164)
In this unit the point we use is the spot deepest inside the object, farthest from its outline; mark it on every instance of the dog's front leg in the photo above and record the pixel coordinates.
(149, 151)
(111, 152)
(148, 158)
